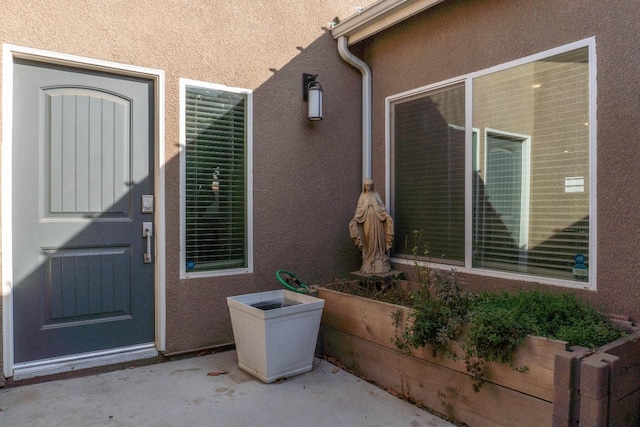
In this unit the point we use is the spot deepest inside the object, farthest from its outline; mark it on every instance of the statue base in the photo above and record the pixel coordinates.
(390, 276)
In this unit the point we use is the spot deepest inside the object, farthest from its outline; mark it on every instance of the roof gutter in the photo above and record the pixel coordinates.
(377, 17)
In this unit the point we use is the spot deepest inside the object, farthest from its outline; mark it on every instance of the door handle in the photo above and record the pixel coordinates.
(147, 233)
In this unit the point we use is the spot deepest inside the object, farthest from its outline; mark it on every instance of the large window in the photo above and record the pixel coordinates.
(216, 151)
(493, 170)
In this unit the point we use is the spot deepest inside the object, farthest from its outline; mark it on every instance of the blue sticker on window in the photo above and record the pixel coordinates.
(580, 271)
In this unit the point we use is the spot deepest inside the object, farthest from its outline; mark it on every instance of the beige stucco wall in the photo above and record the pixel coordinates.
(459, 37)
(306, 175)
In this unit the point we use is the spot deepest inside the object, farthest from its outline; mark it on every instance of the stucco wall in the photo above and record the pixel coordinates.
(306, 175)
(459, 37)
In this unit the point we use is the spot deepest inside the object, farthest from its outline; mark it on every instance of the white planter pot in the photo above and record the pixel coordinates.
(274, 343)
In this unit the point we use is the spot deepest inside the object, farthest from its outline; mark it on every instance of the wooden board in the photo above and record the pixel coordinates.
(372, 321)
(625, 411)
(625, 378)
(439, 388)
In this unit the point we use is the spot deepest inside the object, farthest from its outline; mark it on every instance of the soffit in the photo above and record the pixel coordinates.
(379, 16)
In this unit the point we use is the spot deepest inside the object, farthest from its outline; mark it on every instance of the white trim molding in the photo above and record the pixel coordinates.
(60, 365)
(184, 274)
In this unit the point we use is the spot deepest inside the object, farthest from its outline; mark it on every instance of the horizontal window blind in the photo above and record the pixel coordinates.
(216, 229)
(530, 169)
(536, 137)
(429, 174)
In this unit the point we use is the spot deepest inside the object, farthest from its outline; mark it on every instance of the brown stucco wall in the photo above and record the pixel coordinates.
(306, 176)
(459, 37)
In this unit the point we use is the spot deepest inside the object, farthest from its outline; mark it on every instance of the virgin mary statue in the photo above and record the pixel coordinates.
(372, 231)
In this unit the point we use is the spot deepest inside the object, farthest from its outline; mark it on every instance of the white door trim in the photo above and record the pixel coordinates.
(11, 52)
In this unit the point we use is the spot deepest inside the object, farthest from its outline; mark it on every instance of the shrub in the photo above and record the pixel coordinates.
(495, 325)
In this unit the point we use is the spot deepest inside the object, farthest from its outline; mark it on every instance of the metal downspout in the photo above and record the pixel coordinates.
(343, 49)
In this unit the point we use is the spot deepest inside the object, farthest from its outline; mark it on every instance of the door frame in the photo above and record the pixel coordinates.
(525, 186)
(9, 54)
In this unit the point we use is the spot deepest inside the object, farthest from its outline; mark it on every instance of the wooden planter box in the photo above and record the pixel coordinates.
(562, 386)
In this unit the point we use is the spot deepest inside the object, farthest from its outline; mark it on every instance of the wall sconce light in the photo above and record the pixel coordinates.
(312, 93)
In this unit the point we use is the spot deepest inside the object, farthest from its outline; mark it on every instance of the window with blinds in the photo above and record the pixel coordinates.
(215, 179)
(538, 114)
(428, 132)
(529, 168)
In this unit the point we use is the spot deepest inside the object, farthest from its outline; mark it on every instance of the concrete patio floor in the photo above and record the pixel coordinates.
(208, 390)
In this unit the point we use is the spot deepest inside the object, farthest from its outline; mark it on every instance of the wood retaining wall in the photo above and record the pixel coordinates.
(561, 387)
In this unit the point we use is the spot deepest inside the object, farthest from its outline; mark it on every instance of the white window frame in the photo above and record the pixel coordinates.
(184, 274)
(590, 284)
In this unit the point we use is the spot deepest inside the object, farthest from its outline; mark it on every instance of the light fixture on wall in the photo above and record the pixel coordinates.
(312, 93)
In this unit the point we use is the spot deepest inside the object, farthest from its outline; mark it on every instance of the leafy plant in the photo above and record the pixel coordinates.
(494, 334)
(440, 308)
(493, 325)
(440, 312)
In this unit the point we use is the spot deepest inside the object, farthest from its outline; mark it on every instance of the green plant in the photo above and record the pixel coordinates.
(558, 315)
(493, 326)
(494, 334)
(440, 312)
(440, 308)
